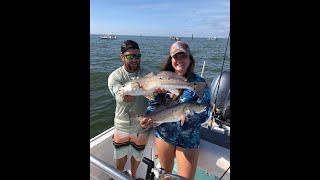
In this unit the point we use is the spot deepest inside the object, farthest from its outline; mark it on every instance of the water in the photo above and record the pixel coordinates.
(105, 58)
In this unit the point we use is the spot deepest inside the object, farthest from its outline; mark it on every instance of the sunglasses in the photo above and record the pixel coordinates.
(131, 56)
(180, 56)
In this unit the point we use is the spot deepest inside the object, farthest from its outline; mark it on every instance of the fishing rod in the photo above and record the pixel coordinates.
(214, 109)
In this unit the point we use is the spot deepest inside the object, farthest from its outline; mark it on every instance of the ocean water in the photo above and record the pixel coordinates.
(105, 58)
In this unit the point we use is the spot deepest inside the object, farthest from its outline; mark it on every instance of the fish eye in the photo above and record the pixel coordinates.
(123, 85)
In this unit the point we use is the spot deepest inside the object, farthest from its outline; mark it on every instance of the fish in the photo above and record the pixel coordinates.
(172, 113)
(167, 80)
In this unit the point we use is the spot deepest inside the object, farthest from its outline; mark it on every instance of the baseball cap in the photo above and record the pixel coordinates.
(129, 44)
(179, 46)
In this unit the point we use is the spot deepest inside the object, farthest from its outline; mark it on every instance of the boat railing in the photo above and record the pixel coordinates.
(107, 168)
(116, 174)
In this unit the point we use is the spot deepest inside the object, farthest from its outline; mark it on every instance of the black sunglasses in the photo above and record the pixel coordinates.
(131, 56)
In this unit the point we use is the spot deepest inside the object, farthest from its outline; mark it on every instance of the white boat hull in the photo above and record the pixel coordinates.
(213, 160)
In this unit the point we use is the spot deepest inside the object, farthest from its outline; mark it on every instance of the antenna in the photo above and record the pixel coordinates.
(204, 63)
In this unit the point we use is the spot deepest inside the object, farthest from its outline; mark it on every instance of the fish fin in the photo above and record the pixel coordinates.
(175, 92)
(133, 117)
(175, 97)
(183, 119)
(149, 75)
(199, 88)
(170, 74)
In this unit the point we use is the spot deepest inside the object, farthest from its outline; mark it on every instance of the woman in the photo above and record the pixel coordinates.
(172, 139)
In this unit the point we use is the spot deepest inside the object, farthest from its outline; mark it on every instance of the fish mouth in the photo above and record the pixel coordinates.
(120, 93)
(200, 110)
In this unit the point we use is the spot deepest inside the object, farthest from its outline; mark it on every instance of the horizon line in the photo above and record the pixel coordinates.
(155, 35)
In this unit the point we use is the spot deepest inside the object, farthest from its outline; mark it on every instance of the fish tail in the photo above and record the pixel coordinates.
(198, 88)
(183, 119)
(150, 97)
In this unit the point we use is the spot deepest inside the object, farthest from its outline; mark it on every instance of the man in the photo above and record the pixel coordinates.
(128, 137)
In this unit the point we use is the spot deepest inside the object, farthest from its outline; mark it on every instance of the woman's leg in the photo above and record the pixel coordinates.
(187, 162)
(166, 152)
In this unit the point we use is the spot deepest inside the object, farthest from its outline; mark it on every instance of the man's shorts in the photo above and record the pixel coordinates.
(126, 143)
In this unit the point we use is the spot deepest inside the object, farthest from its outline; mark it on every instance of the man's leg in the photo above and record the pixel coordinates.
(138, 143)
(121, 148)
(134, 167)
(120, 163)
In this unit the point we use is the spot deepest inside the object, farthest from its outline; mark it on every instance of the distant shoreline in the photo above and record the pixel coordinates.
(160, 36)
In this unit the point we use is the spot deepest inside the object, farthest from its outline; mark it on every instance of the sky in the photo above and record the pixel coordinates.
(181, 18)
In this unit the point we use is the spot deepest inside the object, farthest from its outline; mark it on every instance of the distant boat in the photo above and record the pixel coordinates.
(108, 36)
(175, 38)
(213, 38)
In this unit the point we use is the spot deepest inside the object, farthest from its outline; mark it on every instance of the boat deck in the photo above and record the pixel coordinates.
(212, 163)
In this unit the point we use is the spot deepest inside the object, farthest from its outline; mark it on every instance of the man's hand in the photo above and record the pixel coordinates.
(146, 122)
(128, 98)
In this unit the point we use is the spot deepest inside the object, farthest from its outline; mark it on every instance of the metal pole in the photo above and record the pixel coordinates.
(110, 170)
(204, 63)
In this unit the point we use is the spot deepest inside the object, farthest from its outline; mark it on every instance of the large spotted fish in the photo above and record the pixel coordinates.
(165, 79)
(173, 113)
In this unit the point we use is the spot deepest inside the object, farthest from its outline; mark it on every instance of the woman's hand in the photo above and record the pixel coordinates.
(146, 122)
(160, 90)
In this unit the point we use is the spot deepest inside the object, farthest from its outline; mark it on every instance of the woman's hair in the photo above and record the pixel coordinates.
(167, 66)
